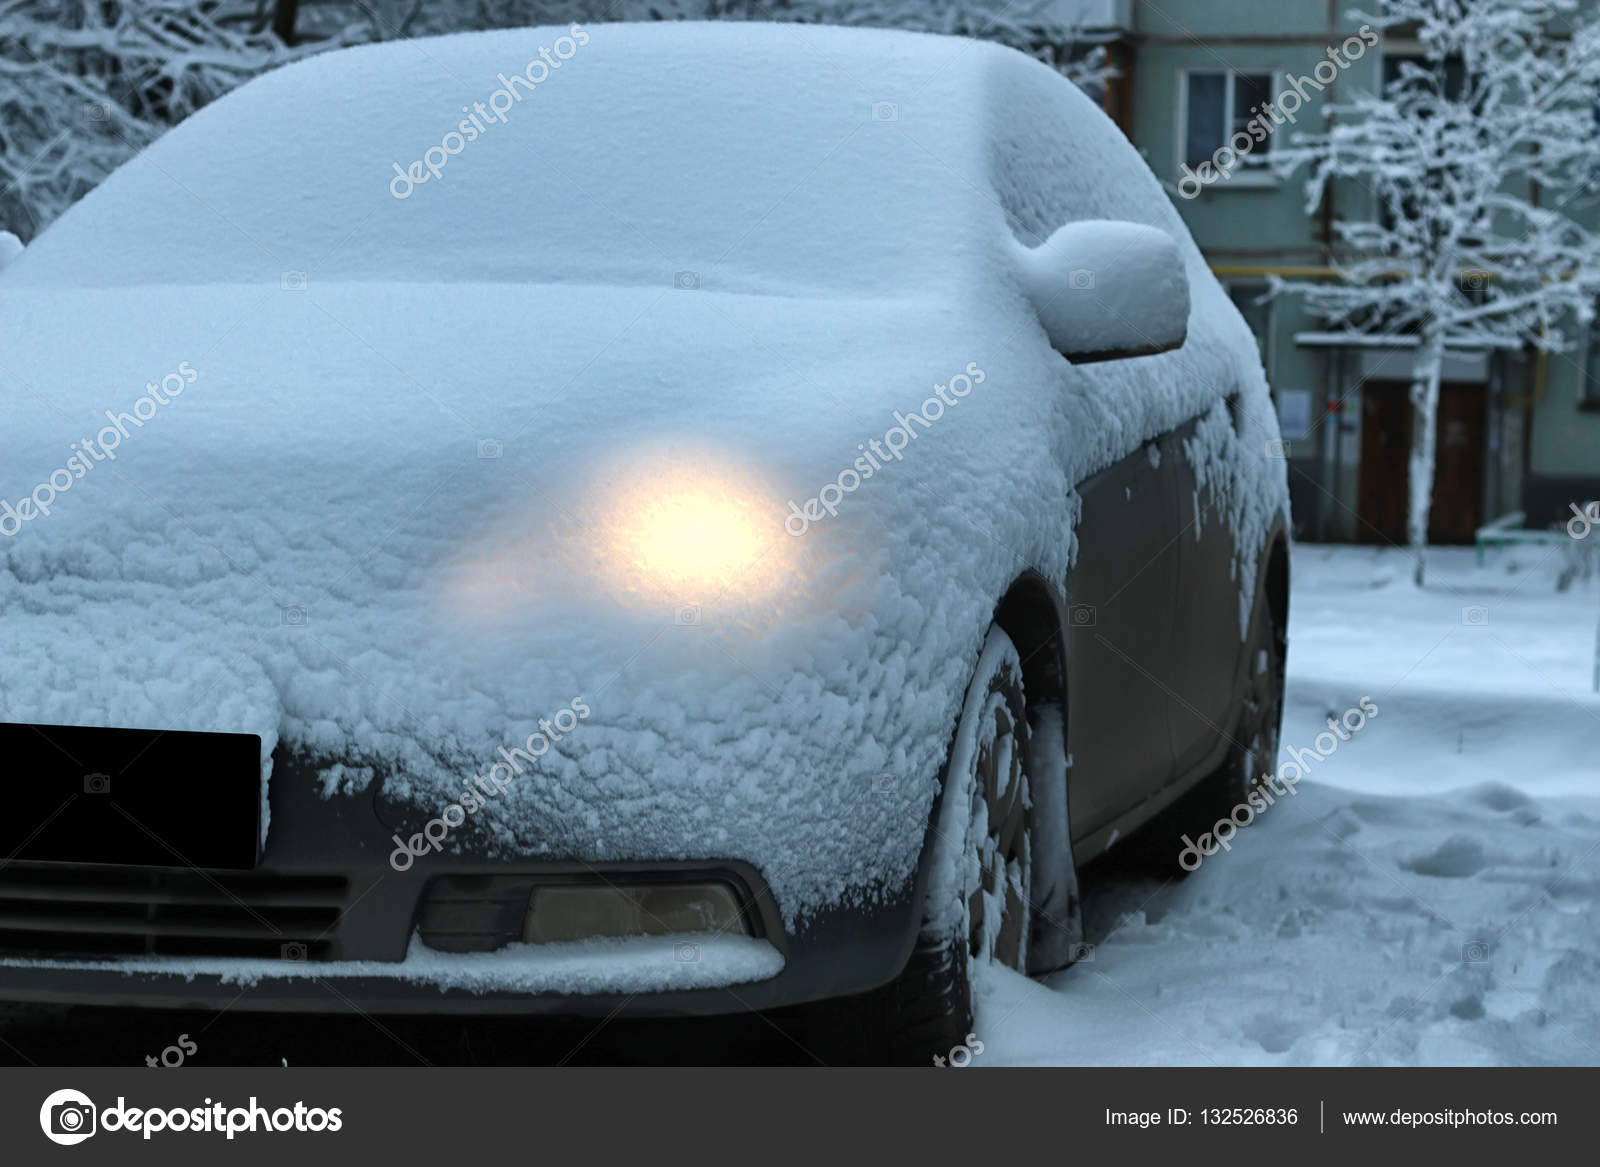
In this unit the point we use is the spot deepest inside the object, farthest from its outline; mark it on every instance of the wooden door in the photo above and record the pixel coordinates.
(1384, 480)
(1385, 446)
(1458, 474)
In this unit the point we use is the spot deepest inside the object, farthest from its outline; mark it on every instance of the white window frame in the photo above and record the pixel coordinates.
(1250, 175)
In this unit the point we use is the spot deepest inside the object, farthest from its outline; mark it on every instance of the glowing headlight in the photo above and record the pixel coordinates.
(661, 530)
(690, 537)
(695, 535)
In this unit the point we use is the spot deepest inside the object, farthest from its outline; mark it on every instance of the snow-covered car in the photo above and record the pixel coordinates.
(678, 518)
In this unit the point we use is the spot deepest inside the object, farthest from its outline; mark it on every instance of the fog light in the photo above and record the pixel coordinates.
(582, 911)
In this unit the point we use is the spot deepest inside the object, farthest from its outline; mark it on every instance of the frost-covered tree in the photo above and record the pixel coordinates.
(84, 84)
(1036, 27)
(1475, 155)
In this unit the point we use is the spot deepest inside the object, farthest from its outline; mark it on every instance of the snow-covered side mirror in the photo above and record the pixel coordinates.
(10, 248)
(1106, 290)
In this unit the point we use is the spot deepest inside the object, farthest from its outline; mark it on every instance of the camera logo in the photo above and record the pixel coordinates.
(67, 1117)
(1080, 280)
(97, 783)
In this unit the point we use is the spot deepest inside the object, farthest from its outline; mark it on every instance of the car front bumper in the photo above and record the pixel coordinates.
(325, 924)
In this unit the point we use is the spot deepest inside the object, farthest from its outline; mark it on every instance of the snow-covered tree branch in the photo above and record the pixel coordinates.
(1474, 155)
(1021, 24)
(84, 85)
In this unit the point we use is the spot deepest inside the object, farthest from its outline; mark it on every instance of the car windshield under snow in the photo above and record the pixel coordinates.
(629, 162)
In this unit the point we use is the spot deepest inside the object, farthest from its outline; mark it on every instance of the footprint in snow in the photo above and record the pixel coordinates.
(1273, 1032)
(1458, 857)
(1567, 990)
(1342, 823)
(1379, 814)
(1500, 797)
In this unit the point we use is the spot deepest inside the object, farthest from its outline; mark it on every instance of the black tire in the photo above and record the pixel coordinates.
(978, 905)
(1255, 739)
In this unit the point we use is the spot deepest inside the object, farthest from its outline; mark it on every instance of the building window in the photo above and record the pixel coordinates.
(1589, 391)
(1454, 74)
(1218, 105)
(1250, 297)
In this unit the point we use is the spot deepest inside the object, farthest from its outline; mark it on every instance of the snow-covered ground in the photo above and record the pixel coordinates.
(1431, 896)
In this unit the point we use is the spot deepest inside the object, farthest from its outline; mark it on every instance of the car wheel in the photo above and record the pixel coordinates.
(1255, 741)
(977, 910)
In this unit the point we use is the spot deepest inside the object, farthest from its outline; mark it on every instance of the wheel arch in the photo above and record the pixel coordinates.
(1033, 614)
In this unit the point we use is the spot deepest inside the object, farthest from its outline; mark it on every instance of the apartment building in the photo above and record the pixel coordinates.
(1516, 431)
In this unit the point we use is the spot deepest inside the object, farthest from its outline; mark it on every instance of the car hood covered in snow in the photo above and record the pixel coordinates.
(412, 485)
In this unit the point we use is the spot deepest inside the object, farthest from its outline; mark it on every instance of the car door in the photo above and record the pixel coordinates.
(1122, 593)
(1206, 632)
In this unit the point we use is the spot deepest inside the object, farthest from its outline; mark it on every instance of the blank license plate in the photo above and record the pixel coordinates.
(152, 798)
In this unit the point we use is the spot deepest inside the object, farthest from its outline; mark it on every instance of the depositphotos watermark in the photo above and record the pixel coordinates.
(876, 454)
(86, 453)
(1272, 114)
(960, 1055)
(175, 1054)
(1258, 800)
(484, 114)
(1584, 519)
(68, 1117)
(483, 788)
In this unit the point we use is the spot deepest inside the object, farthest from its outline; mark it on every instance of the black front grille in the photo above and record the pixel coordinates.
(48, 911)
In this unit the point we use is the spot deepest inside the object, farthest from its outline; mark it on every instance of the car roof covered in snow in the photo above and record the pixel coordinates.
(599, 154)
